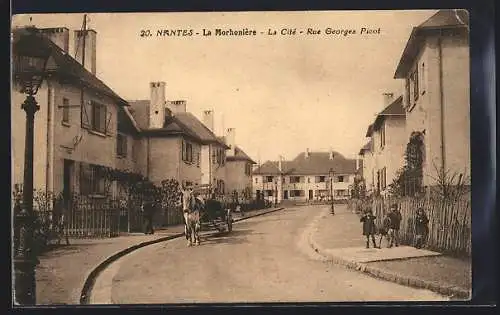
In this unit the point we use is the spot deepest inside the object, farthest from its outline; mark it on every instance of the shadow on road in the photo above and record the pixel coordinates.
(234, 237)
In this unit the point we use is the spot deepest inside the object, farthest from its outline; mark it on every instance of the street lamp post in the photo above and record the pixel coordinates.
(30, 61)
(331, 173)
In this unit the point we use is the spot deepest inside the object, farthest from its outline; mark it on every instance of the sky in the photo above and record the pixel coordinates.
(283, 94)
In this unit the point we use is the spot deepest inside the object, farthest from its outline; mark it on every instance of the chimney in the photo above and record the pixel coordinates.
(59, 36)
(307, 153)
(208, 119)
(332, 155)
(388, 98)
(280, 164)
(90, 49)
(157, 105)
(357, 163)
(178, 106)
(230, 137)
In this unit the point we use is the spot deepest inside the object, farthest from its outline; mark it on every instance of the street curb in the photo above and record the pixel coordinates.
(90, 279)
(450, 291)
(92, 276)
(258, 214)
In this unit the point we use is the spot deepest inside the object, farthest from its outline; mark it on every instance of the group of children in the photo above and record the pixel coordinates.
(390, 227)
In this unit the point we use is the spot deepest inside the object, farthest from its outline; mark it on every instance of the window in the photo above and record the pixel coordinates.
(383, 178)
(308, 180)
(256, 180)
(320, 179)
(269, 179)
(198, 159)
(340, 179)
(269, 193)
(98, 121)
(294, 179)
(415, 85)
(121, 145)
(297, 193)
(92, 181)
(65, 110)
(382, 135)
(248, 169)
(422, 78)
(187, 152)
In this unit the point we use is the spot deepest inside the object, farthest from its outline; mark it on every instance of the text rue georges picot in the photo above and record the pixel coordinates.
(285, 31)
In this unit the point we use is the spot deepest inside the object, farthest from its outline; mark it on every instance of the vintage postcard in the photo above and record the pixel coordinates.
(241, 157)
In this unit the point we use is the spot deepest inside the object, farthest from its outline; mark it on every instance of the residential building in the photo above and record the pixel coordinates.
(83, 126)
(174, 144)
(434, 67)
(368, 166)
(76, 126)
(306, 177)
(388, 142)
(238, 167)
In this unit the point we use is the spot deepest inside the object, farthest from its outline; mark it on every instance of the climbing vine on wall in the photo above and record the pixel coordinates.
(409, 179)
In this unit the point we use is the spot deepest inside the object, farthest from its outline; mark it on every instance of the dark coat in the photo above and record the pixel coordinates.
(421, 227)
(368, 224)
(395, 219)
(386, 225)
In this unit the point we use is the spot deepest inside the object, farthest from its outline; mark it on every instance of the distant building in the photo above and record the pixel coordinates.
(435, 69)
(238, 168)
(305, 178)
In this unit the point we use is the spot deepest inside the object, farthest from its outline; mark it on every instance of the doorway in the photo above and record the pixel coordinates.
(285, 195)
(68, 181)
(311, 196)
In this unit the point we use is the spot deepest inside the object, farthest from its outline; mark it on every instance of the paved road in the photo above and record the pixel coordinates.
(264, 259)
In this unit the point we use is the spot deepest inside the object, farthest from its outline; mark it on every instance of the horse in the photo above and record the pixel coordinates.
(191, 207)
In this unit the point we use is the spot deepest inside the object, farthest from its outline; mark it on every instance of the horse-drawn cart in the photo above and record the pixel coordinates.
(216, 216)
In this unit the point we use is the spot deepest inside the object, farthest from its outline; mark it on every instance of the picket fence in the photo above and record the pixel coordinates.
(449, 220)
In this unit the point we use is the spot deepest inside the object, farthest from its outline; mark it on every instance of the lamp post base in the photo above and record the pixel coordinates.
(25, 284)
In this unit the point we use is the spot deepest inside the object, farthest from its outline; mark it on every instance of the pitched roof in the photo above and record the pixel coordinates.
(369, 131)
(443, 19)
(64, 65)
(317, 163)
(178, 124)
(366, 147)
(198, 128)
(240, 155)
(395, 109)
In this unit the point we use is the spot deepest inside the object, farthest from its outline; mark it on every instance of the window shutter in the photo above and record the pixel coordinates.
(86, 109)
(183, 150)
(108, 128)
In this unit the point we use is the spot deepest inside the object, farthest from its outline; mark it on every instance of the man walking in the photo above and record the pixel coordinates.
(396, 218)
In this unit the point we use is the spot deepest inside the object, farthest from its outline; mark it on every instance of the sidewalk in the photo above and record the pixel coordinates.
(63, 271)
(339, 238)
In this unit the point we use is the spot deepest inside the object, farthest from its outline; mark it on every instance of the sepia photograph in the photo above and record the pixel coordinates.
(240, 157)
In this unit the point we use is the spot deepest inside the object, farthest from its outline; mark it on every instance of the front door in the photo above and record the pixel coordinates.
(67, 181)
(311, 195)
(285, 194)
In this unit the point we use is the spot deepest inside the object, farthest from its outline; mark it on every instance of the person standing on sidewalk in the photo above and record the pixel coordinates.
(421, 228)
(368, 220)
(148, 212)
(396, 218)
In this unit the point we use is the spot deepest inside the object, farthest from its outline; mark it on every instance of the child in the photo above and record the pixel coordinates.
(384, 230)
(421, 228)
(368, 220)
